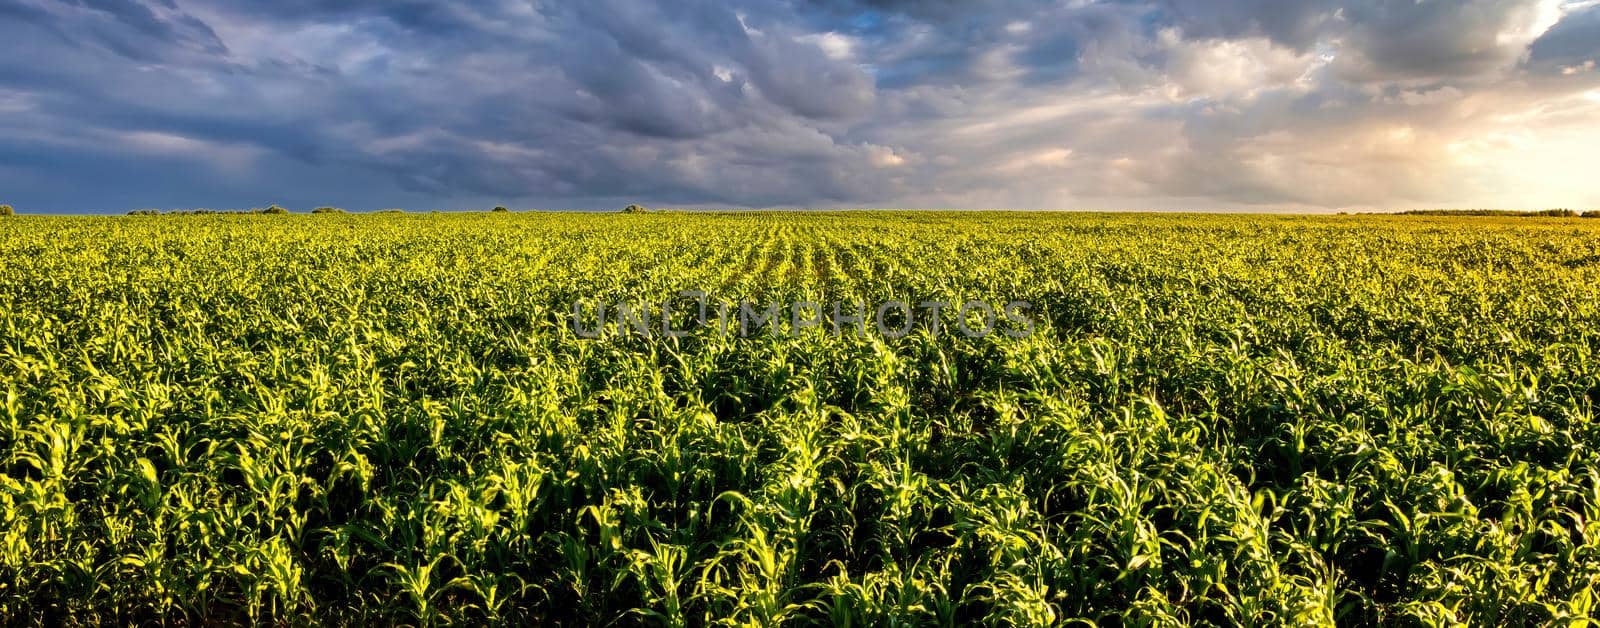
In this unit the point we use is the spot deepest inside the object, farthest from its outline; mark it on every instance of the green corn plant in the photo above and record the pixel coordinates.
(389, 419)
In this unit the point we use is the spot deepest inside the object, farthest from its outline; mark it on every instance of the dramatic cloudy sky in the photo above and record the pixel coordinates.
(110, 105)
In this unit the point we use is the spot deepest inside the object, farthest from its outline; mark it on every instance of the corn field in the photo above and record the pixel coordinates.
(370, 420)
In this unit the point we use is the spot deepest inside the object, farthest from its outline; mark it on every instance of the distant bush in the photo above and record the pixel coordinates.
(390, 211)
(499, 209)
(5, 210)
(1557, 213)
(1593, 213)
(635, 209)
(327, 210)
(145, 212)
(272, 209)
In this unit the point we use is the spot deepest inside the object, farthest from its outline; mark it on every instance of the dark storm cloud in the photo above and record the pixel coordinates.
(126, 27)
(1571, 43)
(1207, 103)
(1299, 25)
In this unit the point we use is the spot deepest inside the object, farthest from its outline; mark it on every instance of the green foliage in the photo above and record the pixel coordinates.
(499, 209)
(6, 210)
(327, 210)
(272, 209)
(1220, 420)
(635, 209)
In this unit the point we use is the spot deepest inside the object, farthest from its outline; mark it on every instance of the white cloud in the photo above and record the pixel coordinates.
(235, 158)
(1219, 68)
(838, 47)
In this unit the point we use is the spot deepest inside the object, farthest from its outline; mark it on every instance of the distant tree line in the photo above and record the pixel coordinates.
(1544, 213)
(275, 209)
(270, 209)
